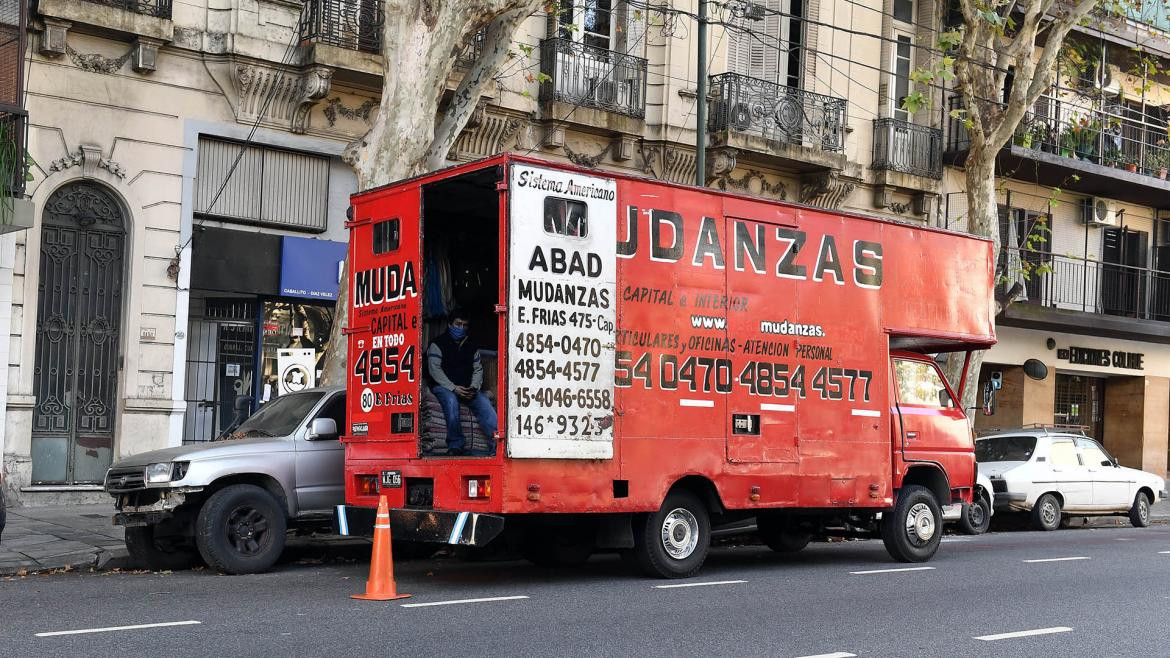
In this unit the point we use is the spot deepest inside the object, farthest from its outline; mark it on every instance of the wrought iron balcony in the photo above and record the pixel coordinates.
(471, 52)
(906, 147)
(13, 138)
(593, 77)
(350, 24)
(793, 116)
(1090, 286)
(156, 8)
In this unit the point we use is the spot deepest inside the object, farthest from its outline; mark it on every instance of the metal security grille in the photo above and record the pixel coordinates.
(268, 186)
(156, 8)
(220, 366)
(1081, 401)
(351, 24)
(79, 315)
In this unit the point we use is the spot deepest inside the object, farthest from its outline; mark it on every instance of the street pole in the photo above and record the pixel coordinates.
(701, 101)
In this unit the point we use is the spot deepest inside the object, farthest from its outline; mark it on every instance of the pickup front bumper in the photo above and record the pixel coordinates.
(457, 528)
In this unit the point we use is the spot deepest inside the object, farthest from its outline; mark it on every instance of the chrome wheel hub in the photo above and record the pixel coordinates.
(920, 524)
(680, 533)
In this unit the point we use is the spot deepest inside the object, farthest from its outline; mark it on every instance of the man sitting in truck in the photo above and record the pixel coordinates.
(456, 377)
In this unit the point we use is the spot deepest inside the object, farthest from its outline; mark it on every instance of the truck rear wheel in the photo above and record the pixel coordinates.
(158, 553)
(673, 542)
(780, 534)
(241, 529)
(913, 529)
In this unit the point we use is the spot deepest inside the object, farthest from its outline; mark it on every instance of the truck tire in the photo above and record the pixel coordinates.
(157, 553)
(673, 542)
(241, 529)
(913, 529)
(780, 535)
(976, 518)
(1046, 513)
(1139, 514)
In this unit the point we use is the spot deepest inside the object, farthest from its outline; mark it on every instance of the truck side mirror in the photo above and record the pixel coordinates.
(988, 399)
(322, 429)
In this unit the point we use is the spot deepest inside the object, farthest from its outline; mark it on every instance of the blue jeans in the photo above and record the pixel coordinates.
(479, 405)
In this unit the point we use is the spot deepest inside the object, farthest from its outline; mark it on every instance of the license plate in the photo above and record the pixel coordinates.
(392, 479)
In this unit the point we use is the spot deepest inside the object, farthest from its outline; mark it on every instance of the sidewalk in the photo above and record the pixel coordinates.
(62, 536)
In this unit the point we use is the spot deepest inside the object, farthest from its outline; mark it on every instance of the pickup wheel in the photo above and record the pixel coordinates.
(241, 529)
(1139, 514)
(673, 542)
(158, 553)
(780, 535)
(976, 516)
(1046, 514)
(913, 529)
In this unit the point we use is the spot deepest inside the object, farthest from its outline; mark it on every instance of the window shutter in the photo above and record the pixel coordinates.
(295, 190)
(240, 198)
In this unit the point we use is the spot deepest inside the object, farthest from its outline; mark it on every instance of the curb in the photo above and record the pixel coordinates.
(93, 560)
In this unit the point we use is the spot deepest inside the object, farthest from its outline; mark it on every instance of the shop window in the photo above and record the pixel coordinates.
(386, 236)
(294, 342)
(1080, 401)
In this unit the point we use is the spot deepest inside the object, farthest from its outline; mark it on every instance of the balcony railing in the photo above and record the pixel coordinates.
(1067, 125)
(793, 116)
(1091, 286)
(593, 77)
(13, 137)
(906, 147)
(469, 53)
(350, 24)
(156, 8)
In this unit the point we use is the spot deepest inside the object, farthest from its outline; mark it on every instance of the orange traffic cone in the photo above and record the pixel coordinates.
(380, 586)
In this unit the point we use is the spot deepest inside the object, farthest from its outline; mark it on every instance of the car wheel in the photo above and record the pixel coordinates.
(158, 553)
(673, 542)
(1046, 513)
(976, 518)
(780, 535)
(1139, 514)
(241, 529)
(913, 529)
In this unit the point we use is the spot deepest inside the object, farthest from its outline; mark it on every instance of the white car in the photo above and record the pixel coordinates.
(1054, 474)
(975, 518)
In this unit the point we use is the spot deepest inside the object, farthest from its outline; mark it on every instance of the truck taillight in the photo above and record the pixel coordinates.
(478, 487)
(367, 485)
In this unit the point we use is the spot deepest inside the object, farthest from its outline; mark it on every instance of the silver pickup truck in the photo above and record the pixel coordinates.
(231, 502)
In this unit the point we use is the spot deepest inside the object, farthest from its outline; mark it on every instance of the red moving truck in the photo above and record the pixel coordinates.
(663, 359)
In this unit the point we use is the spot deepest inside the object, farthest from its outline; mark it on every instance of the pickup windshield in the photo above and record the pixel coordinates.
(1005, 449)
(281, 416)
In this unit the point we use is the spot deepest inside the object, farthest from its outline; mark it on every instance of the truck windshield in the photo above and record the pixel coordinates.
(1005, 449)
(281, 416)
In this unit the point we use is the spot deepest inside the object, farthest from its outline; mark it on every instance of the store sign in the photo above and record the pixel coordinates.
(1084, 356)
(311, 268)
(296, 370)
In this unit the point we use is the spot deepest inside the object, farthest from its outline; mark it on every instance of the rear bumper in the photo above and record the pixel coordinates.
(457, 528)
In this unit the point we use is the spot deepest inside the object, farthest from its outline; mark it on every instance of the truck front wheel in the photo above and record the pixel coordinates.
(673, 542)
(912, 530)
(241, 529)
(158, 553)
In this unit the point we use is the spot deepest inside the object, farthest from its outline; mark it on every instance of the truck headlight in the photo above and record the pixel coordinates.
(165, 472)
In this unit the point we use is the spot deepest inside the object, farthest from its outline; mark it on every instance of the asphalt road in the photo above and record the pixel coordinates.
(1092, 592)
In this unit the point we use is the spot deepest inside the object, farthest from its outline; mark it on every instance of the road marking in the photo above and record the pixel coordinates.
(696, 403)
(839, 654)
(1038, 631)
(867, 412)
(485, 600)
(108, 629)
(767, 406)
(1123, 539)
(858, 573)
(1163, 552)
(954, 539)
(713, 582)
(1056, 559)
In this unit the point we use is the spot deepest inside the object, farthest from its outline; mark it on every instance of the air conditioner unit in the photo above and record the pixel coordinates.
(1099, 212)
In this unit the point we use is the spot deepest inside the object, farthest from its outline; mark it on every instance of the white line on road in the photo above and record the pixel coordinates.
(1038, 631)
(1163, 552)
(1056, 559)
(108, 629)
(1123, 539)
(839, 654)
(485, 600)
(858, 573)
(713, 582)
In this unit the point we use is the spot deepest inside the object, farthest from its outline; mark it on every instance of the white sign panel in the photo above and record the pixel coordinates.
(561, 301)
(295, 370)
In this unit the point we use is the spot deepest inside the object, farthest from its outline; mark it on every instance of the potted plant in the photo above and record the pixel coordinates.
(1158, 158)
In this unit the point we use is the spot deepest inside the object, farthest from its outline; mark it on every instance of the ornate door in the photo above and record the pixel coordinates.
(79, 315)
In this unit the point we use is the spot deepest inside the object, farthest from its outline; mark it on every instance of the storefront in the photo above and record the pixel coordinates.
(260, 314)
(1117, 391)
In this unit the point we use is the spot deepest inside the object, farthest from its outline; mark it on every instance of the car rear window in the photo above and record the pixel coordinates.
(1005, 449)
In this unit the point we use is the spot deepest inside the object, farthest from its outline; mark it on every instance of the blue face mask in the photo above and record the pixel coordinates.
(457, 332)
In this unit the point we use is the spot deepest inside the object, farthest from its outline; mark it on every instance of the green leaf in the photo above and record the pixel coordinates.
(525, 48)
(914, 101)
(543, 77)
(950, 39)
